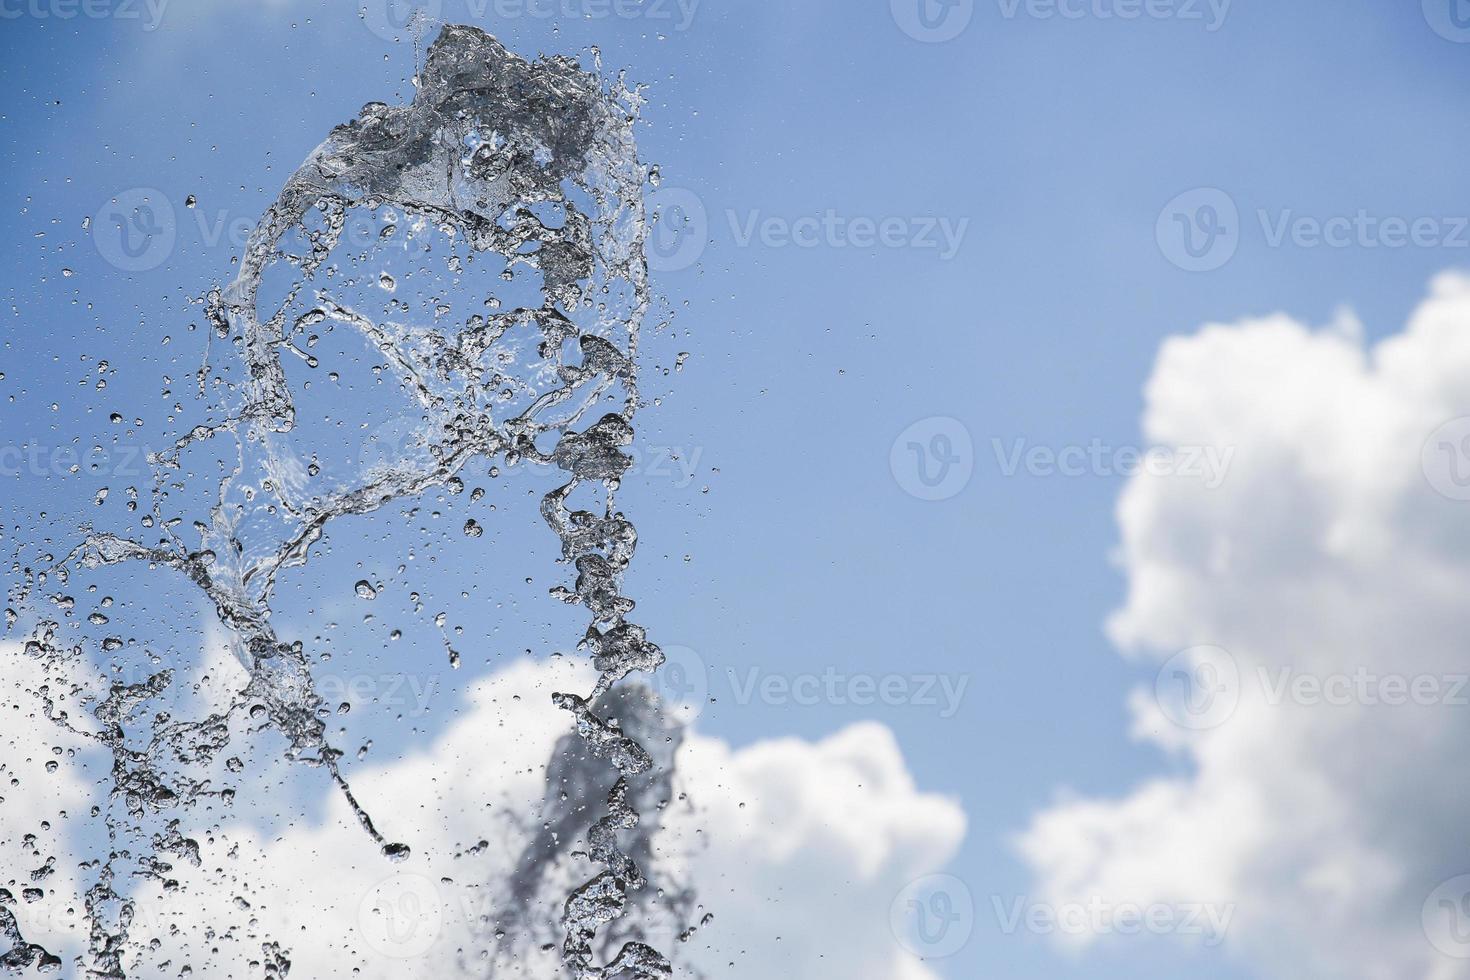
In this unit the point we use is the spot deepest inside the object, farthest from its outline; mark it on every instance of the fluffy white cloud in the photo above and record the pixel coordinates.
(765, 834)
(793, 827)
(1323, 802)
(47, 780)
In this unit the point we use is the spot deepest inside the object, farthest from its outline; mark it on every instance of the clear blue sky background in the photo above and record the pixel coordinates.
(1060, 140)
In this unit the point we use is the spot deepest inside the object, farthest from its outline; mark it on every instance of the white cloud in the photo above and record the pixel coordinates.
(41, 807)
(1330, 802)
(766, 833)
(794, 827)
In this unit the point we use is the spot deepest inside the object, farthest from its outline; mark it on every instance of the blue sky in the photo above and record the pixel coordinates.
(1058, 140)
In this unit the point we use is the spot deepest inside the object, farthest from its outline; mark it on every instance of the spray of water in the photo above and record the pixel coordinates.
(519, 182)
(577, 782)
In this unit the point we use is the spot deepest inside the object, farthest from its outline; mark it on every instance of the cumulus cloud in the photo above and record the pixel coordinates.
(48, 776)
(765, 834)
(1311, 613)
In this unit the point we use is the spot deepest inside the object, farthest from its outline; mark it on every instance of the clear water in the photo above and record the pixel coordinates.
(483, 246)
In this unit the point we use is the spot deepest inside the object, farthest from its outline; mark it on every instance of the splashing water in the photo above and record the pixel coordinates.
(576, 782)
(521, 179)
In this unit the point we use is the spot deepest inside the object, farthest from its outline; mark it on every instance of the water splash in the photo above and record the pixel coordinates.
(523, 171)
(577, 782)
